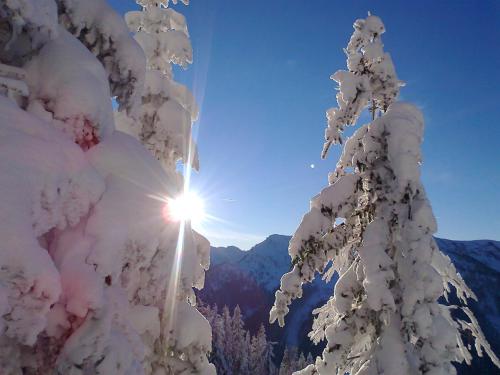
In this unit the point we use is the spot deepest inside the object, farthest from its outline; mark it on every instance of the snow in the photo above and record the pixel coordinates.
(173, 46)
(94, 215)
(106, 35)
(145, 319)
(371, 78)
(38, 19)
(18, 87)
(169, 109)
(90, 267)
(60, 192)
(71, 84)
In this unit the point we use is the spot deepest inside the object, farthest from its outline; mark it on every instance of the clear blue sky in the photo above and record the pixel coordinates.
(261, 75)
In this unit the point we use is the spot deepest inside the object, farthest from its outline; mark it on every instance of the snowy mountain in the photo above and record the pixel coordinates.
(250, 278)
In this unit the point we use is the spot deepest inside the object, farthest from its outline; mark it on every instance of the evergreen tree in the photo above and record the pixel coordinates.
(309, 359)
(370, 78)
(218, 355)
(60, 311)
(374, 224)
(244, 353)
(90, 284)
(263, 353)
(293, 356)
(286, 362)
(271, 368)
(301, 362)
(237, 352)
(163, 123)
(228, 336)
(293, 360)
(168, 109)
(238, 334)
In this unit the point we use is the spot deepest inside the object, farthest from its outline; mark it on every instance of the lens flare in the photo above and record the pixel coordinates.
(187, 207)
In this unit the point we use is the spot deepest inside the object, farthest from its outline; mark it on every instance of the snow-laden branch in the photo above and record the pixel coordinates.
(370, 79)
(106, 35)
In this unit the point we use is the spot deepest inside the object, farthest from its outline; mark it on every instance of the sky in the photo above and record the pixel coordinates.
(261, 77)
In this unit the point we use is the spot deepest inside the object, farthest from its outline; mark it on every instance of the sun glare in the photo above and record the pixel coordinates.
(187, 207)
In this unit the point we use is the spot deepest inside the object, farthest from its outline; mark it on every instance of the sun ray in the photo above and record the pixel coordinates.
(186, 207)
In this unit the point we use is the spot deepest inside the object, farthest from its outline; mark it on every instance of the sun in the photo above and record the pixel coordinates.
(186, 207)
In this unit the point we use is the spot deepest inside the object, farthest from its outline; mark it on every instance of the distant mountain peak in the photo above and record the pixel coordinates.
(275, 244)
(279, 237)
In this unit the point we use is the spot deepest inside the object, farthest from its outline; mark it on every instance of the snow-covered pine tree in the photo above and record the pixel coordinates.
(301, 362)
(92, 280)
(168, 109)
(286, 363)
(218, 354)
(244, 353)
(370, 79)
(238, 339)
(293, 355)
(53, 301)
(228, 336)
(373, 225)
(261, 353)
(163, 123)
(270, 366)
(293, 360)
(309, 359)
(238, 352)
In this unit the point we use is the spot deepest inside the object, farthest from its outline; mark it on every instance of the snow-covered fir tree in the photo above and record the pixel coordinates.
(245, 365)
(238, 335)
(269, 355)
(309, 359)
(259, 357)
(373, 225)
(163, 125)
(301, 362)
(93, 279)
(235, 350)
(285, 366)
(168, 108)
(229, 339)
(293, 361)
(218, 354)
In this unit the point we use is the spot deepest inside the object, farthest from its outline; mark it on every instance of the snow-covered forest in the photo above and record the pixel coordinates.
(101, 271)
